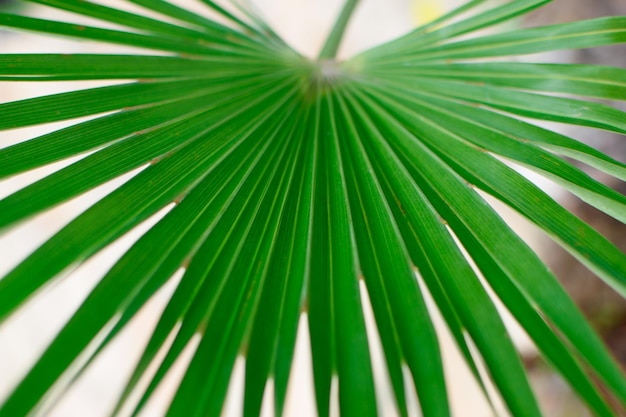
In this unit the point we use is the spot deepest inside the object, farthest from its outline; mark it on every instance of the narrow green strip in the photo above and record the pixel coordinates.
(329, 50)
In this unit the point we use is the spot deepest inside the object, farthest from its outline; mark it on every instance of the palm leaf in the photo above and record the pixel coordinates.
(289, 185)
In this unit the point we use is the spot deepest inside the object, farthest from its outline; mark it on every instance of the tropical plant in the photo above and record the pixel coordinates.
(294, 181)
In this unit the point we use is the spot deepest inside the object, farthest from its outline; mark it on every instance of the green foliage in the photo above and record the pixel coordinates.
(294, 180)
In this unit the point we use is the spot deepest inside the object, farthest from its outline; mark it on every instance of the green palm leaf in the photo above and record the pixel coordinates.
(293, 185)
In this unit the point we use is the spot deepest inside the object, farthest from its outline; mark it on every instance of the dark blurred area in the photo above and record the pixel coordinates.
(10, 6)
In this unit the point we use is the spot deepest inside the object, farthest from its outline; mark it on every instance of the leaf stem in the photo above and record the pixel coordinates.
(329, 50)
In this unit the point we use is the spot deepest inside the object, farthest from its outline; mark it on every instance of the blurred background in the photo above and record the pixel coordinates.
(304, 24)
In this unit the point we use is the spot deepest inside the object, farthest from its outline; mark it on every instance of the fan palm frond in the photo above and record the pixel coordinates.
(291, 183)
